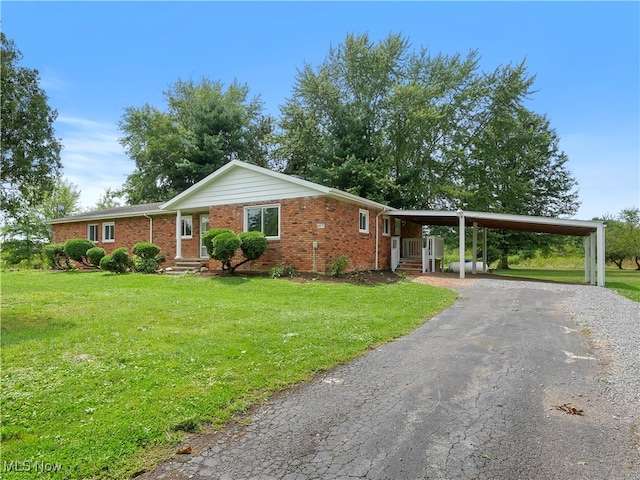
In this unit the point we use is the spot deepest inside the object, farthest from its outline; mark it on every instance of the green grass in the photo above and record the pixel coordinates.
(102, 373)
(626, 282)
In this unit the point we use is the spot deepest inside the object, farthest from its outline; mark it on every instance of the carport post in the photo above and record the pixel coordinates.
(592, 258)
(600, 255)
(474, 248)
(461, 240)
(484, 249)
(587, 259)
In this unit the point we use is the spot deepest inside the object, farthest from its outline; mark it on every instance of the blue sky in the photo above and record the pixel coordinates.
(97, 58)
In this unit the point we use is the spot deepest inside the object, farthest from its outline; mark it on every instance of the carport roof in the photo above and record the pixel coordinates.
(501, 221)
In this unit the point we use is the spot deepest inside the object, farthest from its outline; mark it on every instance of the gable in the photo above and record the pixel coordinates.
(241, 185)
(239, 182)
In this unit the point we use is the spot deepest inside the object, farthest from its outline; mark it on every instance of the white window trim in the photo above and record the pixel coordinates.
(97, 227)
(105, 238)
(246, 223)
(184, 219)
(366, 215)
(386, 226)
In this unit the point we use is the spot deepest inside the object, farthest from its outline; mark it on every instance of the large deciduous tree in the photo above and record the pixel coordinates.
(203, 128)
(30, 152)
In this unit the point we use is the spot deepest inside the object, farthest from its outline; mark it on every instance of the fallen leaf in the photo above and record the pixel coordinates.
(184, 451)
(570, 409)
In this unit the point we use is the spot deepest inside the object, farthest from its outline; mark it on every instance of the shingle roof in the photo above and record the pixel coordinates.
(125, 211)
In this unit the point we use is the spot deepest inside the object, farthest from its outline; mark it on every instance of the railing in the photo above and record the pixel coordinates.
(411, 247)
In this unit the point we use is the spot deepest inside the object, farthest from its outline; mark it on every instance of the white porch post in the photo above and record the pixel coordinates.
(484, 249)
(600, 255)
(474, 248)
(179, 234)
(461, 240)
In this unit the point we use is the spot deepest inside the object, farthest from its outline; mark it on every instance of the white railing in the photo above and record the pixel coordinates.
(412, 247)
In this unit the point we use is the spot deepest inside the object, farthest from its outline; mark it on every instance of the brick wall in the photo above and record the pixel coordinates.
(334, 225)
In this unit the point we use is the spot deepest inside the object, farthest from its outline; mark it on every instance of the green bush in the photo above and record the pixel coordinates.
(283, 270)
(76, 249)
(207, 238)
(146, 257)
(339, 266)
(118, 261)
(55, 256)
(225, 245)
(146, 250)
(94, 255)
(253, 244)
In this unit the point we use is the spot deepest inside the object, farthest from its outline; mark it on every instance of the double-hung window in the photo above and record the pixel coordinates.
(109, 232)
(187, 227)
(92, 232)
(264, 218)
(364, 221)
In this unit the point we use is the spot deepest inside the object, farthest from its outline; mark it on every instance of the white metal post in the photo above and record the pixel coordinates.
(600, 255)
(461, 240)
(474, 248)
(587, 259)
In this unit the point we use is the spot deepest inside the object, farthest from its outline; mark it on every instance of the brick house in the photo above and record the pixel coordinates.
(306, 224)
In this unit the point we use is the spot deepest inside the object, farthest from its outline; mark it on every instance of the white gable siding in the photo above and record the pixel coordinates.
(243, 186)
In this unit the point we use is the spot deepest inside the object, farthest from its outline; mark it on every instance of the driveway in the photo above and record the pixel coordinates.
(502, 385)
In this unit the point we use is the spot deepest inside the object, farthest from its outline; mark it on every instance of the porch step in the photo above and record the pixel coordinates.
(186, 265)
(410, 265)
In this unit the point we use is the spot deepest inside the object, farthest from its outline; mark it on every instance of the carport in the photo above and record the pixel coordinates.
(591, 231)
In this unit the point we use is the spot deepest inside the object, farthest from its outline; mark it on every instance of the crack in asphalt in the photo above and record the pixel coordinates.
(468, 395)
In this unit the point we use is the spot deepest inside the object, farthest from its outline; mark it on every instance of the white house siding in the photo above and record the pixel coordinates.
(241, 185)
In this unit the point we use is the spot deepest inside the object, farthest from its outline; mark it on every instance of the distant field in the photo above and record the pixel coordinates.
(625, 282)
(102, 373)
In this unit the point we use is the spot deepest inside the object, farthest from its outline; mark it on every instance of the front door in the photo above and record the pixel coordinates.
(204, 227)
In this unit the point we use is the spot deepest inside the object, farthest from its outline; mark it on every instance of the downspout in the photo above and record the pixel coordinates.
(150, 227)
(377, 237)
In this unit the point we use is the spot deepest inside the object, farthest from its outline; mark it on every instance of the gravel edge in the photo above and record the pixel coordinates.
(609, 316)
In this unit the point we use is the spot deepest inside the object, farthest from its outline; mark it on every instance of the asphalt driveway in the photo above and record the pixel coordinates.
(489, 389)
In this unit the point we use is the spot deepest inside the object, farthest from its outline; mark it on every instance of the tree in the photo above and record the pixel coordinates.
(109, 199)
(24, 234)
(623, 237)
(379, 121)
(203, 128)
(30, 152)
(514, 165)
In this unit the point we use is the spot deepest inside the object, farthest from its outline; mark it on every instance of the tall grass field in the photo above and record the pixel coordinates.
(102, 375)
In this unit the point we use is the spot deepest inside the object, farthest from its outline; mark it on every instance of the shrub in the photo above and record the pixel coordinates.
(284, 269)
(339, 266)
(146, 257)
(55, 256)
(207, 238)
(225, 245)
(146, 250)
(94, 255)
(118, 261)
(253, 244)
(76, 249)
(222, 245)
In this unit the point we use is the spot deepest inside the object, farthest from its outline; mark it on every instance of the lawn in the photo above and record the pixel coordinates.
(626, 282)
(102, 374)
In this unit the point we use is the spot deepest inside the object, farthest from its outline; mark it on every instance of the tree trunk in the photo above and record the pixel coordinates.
(504, 262)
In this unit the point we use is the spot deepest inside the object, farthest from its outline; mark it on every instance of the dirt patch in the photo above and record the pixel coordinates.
(443, 280)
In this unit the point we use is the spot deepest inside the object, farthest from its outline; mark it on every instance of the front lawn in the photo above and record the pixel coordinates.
(102, 373)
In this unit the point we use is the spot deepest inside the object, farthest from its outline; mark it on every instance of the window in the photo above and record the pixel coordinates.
(386, 226)
(398, 226)
(187, 227)
(92, 232)
(109, 232)
(364, 221)
(265, 219)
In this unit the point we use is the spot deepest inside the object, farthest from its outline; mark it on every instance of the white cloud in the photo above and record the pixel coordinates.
(92, 157)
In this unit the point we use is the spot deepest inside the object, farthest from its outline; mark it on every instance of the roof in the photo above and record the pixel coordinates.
(117, 212)
(501, 221)
(254, 183)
